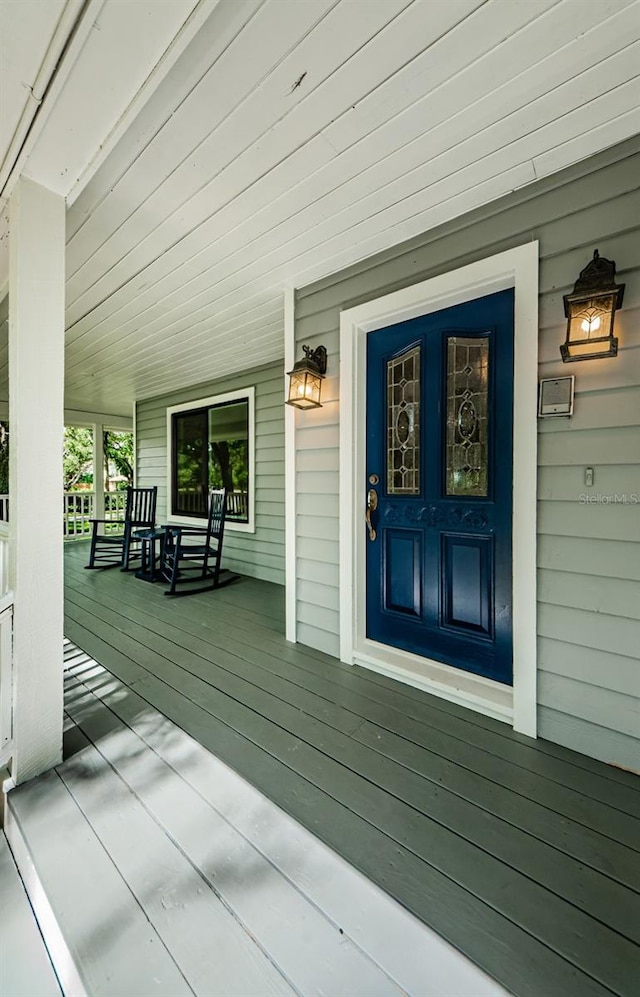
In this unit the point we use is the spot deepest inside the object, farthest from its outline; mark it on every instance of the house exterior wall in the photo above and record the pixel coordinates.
(588, 548)
(259, 554)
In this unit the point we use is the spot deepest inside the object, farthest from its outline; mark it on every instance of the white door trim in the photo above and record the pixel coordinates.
(517, 268)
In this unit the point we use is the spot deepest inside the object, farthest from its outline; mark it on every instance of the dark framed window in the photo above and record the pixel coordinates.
(211, 446)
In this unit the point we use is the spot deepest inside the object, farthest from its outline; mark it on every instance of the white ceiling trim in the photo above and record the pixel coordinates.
(186, 34)
(76, 21)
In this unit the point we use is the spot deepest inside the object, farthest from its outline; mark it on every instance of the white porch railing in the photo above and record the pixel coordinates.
(6, 653)
(78, 510)
(114, 503)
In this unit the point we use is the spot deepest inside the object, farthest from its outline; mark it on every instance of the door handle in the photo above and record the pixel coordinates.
(372, 505)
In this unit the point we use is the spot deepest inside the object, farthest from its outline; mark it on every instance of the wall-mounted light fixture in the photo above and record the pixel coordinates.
(590, 309)
(306, 378)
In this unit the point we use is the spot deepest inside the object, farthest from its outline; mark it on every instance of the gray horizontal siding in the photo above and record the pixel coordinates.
(259, 554)
(589, 551)
(612, 558)
(591, 739)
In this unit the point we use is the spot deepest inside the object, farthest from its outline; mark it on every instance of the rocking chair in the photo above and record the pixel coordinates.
(191, 553)
(111, 549)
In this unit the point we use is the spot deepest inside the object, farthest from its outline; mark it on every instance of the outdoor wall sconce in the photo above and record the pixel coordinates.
(590, 309)
(306, 377)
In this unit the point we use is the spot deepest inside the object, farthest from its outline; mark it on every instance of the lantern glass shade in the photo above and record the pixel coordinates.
(304, 389)
(305, 380)
(590, 328)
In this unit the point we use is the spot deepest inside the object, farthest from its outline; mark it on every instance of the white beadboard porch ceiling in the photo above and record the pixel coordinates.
(214, 153)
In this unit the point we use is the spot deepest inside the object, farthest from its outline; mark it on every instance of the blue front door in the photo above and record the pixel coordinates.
(439, 485)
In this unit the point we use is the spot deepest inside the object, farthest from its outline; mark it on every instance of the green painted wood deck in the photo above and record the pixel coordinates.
(522, 854)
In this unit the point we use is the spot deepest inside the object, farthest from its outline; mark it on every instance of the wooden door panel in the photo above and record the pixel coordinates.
(466, 581)
(402, 588)
(440, 441)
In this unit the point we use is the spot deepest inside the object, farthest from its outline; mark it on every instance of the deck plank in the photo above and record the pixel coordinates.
(314, 953)
(25, 967)
(458, 813)
(418, 959)
(491, 736)
(490, 939)
(415, 957)
(583, 887)
(502, 743)
(215, 953)
(114, 949)
(353, 709)
(559, 752)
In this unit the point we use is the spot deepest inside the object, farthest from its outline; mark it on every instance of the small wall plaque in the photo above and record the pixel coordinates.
(556, 396)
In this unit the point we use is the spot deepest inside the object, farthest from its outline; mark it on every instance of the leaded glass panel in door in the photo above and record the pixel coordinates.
(467, 442)
(403, 423)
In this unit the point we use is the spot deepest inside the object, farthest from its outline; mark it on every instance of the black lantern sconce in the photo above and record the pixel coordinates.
(590, 309)
(306, 378)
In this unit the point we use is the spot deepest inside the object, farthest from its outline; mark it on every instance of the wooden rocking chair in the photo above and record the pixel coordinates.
(192, 554)
(117, 548)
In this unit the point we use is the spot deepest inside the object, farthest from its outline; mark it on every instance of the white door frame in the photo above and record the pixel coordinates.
(517, 268)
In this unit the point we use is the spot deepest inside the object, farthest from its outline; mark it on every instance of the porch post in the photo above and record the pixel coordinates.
(36, 416)
(290, 476)
(98, 470)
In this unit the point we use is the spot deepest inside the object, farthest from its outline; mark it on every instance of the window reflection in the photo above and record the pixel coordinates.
(211, 450)
(229, 455)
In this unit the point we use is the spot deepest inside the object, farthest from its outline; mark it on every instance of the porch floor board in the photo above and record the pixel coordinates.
(524, 855)
(25, 969)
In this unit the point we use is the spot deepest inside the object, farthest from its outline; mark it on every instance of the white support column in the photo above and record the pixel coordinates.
(98, 470)
(290, 541)
(36, 378)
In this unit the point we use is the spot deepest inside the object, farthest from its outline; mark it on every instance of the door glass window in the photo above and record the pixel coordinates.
(467, 452)
(403, 423)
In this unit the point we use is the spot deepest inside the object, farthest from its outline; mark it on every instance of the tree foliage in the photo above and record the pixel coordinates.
(77, 457)
(229, 465)
(118, 455)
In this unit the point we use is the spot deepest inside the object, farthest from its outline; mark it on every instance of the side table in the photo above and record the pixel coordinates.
(150, 557)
